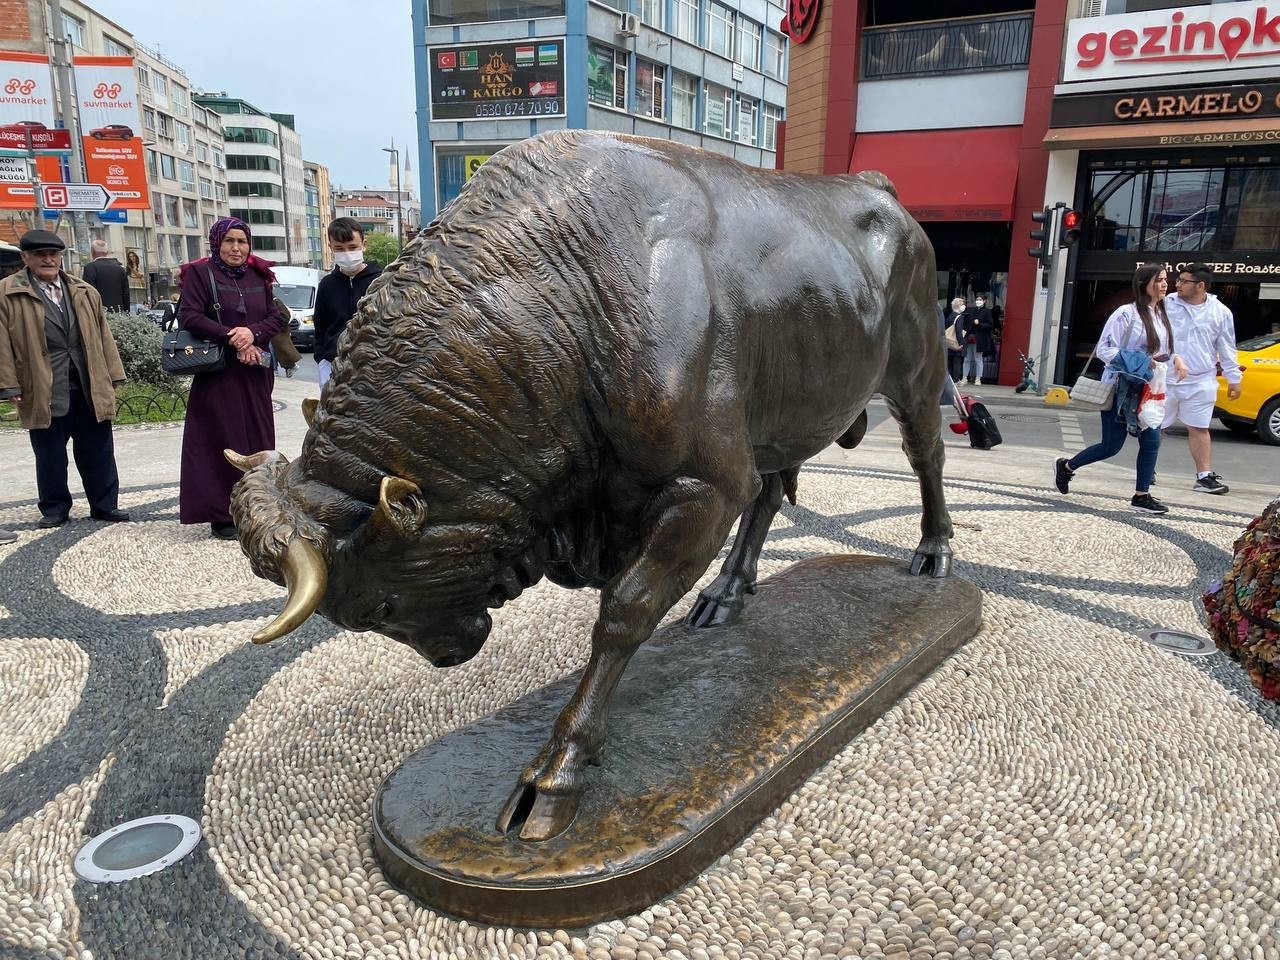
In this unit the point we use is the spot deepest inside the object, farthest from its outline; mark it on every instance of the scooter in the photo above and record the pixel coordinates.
(1028, 369)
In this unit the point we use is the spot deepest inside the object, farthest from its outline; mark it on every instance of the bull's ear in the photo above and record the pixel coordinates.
(309, 410)
(401, 507)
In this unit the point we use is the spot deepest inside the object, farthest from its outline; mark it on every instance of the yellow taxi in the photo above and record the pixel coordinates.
(1258, 408)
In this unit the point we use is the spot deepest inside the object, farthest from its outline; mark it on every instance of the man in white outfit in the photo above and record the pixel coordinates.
(1204, 336)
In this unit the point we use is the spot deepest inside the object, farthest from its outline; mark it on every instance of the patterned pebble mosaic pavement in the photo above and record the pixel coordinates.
(1057, 789)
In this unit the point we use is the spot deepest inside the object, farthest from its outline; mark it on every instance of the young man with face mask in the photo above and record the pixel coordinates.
(340, 291)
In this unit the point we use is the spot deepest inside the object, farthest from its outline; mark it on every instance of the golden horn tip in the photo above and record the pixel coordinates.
(306, 578)
(245, 464)
(309, 406)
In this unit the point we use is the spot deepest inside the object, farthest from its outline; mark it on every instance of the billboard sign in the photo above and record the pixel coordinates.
(1224, 36)
(109, 117)
(17, 193)
(498, 81)
(26, 89)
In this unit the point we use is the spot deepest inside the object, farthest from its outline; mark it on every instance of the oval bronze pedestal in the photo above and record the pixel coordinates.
(710, 730)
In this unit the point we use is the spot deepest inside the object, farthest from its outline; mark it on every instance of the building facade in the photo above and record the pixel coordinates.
(1163, 134)
(375, 212)
(265, 182)
(710, 73)
(320, 211)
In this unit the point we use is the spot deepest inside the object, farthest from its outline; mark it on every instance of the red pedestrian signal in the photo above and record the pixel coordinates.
(1072, 222)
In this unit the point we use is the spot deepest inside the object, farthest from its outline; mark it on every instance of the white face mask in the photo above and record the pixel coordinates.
(348, 260)
(979, 303)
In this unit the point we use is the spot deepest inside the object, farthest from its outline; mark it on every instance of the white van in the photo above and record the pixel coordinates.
(296, 286)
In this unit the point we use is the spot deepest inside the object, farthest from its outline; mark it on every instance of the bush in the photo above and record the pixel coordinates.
(138, 340)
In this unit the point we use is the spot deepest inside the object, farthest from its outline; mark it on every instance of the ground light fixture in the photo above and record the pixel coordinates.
(137, 848)
(1175, 641)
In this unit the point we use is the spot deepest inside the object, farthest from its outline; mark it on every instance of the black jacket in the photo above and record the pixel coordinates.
(978, 324)
(109, 278)
(336, 300)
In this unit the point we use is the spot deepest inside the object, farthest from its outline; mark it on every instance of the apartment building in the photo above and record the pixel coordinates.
(320, 210)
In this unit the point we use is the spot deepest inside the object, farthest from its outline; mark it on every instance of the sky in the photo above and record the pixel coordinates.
(344, 69)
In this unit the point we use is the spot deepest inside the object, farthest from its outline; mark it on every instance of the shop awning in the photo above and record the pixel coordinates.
(1183, 133)
(946, 174)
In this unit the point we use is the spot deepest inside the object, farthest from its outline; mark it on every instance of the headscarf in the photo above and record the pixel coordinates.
(216, 234)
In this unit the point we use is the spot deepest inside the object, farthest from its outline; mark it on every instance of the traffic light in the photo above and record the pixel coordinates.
(1043, 252)
(1069, 232)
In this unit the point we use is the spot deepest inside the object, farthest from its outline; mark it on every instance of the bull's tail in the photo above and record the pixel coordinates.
(874, 178)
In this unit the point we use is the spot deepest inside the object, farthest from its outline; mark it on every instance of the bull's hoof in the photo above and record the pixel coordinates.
(714, 611)
(538, 816)
(933, 556)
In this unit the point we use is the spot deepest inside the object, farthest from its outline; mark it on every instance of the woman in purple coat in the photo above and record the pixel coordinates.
(227, 298)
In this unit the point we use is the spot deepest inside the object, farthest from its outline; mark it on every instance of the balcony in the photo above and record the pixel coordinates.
(958, 45)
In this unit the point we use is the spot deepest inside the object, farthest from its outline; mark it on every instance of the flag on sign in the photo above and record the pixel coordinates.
(470, 59)
(548, 53)
(524, 56)
(447, 60)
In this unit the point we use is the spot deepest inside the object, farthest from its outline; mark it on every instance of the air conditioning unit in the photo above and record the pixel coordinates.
(629, 25)
(1092, 8)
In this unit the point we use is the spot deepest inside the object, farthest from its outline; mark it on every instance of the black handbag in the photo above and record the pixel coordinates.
(183, 354)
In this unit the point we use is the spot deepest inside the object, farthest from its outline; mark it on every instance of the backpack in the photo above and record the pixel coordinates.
(983, 431)
(1244, 608)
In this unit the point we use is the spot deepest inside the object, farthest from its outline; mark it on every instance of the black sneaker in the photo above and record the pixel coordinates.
(1146, 503)
(1062, 474)
(1210, 483)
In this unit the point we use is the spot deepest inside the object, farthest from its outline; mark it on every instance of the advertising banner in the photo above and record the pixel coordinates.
(109, 116)
(1224, 36)
(26, 90)
(498, 81)
(15, 190)
(473, 163)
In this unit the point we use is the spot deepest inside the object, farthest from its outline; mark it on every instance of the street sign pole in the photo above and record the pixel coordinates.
(67, 95)
(1051, 248)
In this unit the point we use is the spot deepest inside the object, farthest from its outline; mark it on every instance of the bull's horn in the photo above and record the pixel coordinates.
(241, 462)
(309, 410)
(306, 578)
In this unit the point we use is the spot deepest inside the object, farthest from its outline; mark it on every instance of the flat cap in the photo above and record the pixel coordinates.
(41, 240)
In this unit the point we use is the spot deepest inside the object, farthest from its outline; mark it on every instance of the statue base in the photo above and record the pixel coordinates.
(709, 731)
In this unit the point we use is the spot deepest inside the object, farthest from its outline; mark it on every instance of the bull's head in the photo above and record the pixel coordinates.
(372, 579)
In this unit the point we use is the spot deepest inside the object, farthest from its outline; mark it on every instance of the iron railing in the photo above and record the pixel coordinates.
(962, 45)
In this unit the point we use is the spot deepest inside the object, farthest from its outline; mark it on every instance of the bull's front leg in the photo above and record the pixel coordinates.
(687, 525)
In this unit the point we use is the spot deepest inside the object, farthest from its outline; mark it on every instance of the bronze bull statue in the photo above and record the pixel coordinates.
(605, 351)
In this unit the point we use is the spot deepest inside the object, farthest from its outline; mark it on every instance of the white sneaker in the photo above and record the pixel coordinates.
(978, 383)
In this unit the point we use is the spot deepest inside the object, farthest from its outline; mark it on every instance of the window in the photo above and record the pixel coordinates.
(607, 76)
(651, 12)
(73, 29)
(748, 110)
(1251, 213)
(243, 188)
(252, 162)
(219, 192)
(719, 37)
(160, 85)
(157, 208)
(250, 135)
(148, 118)
(772, 117)
(183, 134)
(748, 43)
(217, 159)
(167, 169)
(171, 211)
(684, 100)
(190, 214)
(202, 152)
(651, 82)
(268, 243)
(258, 216)
(181, 101)
(718, 111)
(166, 126)
(195, 248)
(144, 80)
(153, 166)
(207, 223)
(176, 248)
(114, 48)
(206, 189)
(186, 175)
(487, 11)
(687, 20)
(775, 55)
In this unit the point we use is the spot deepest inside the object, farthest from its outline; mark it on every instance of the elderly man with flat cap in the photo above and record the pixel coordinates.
(59, 362)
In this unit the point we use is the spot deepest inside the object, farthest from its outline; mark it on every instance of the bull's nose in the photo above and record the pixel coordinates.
(452, 659)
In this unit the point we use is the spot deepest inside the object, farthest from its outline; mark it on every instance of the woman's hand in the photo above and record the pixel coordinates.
(1180, 369)
(240, 338)
(250, 355)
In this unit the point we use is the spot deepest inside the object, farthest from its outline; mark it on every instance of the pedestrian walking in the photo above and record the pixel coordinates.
(59, 364)
(226, 298)
(340, 291)
(1205, 330)
(108, 276)
(974, 334)
(1143, 326)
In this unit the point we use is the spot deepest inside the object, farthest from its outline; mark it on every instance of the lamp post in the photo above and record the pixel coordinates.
(395, 156)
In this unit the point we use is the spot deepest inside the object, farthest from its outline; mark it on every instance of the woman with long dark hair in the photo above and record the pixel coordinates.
(1140, 325)
(227, 298)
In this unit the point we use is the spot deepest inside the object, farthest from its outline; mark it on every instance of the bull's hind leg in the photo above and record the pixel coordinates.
(688, 524)
(920, 421)
(721, 601)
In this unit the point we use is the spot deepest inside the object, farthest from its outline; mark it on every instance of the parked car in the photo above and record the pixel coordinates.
(1258, 408)
(112, 131)
(296, 286)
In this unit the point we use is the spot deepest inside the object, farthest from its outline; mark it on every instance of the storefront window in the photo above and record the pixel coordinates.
(1251, 213)
(487, 11)
(1183, 210)
(607, 76)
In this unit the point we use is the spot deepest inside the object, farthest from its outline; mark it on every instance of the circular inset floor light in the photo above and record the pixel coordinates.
(1175, 641)
(137, 848)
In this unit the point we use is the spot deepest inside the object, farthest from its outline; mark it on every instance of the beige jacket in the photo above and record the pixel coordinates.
(24, 355)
